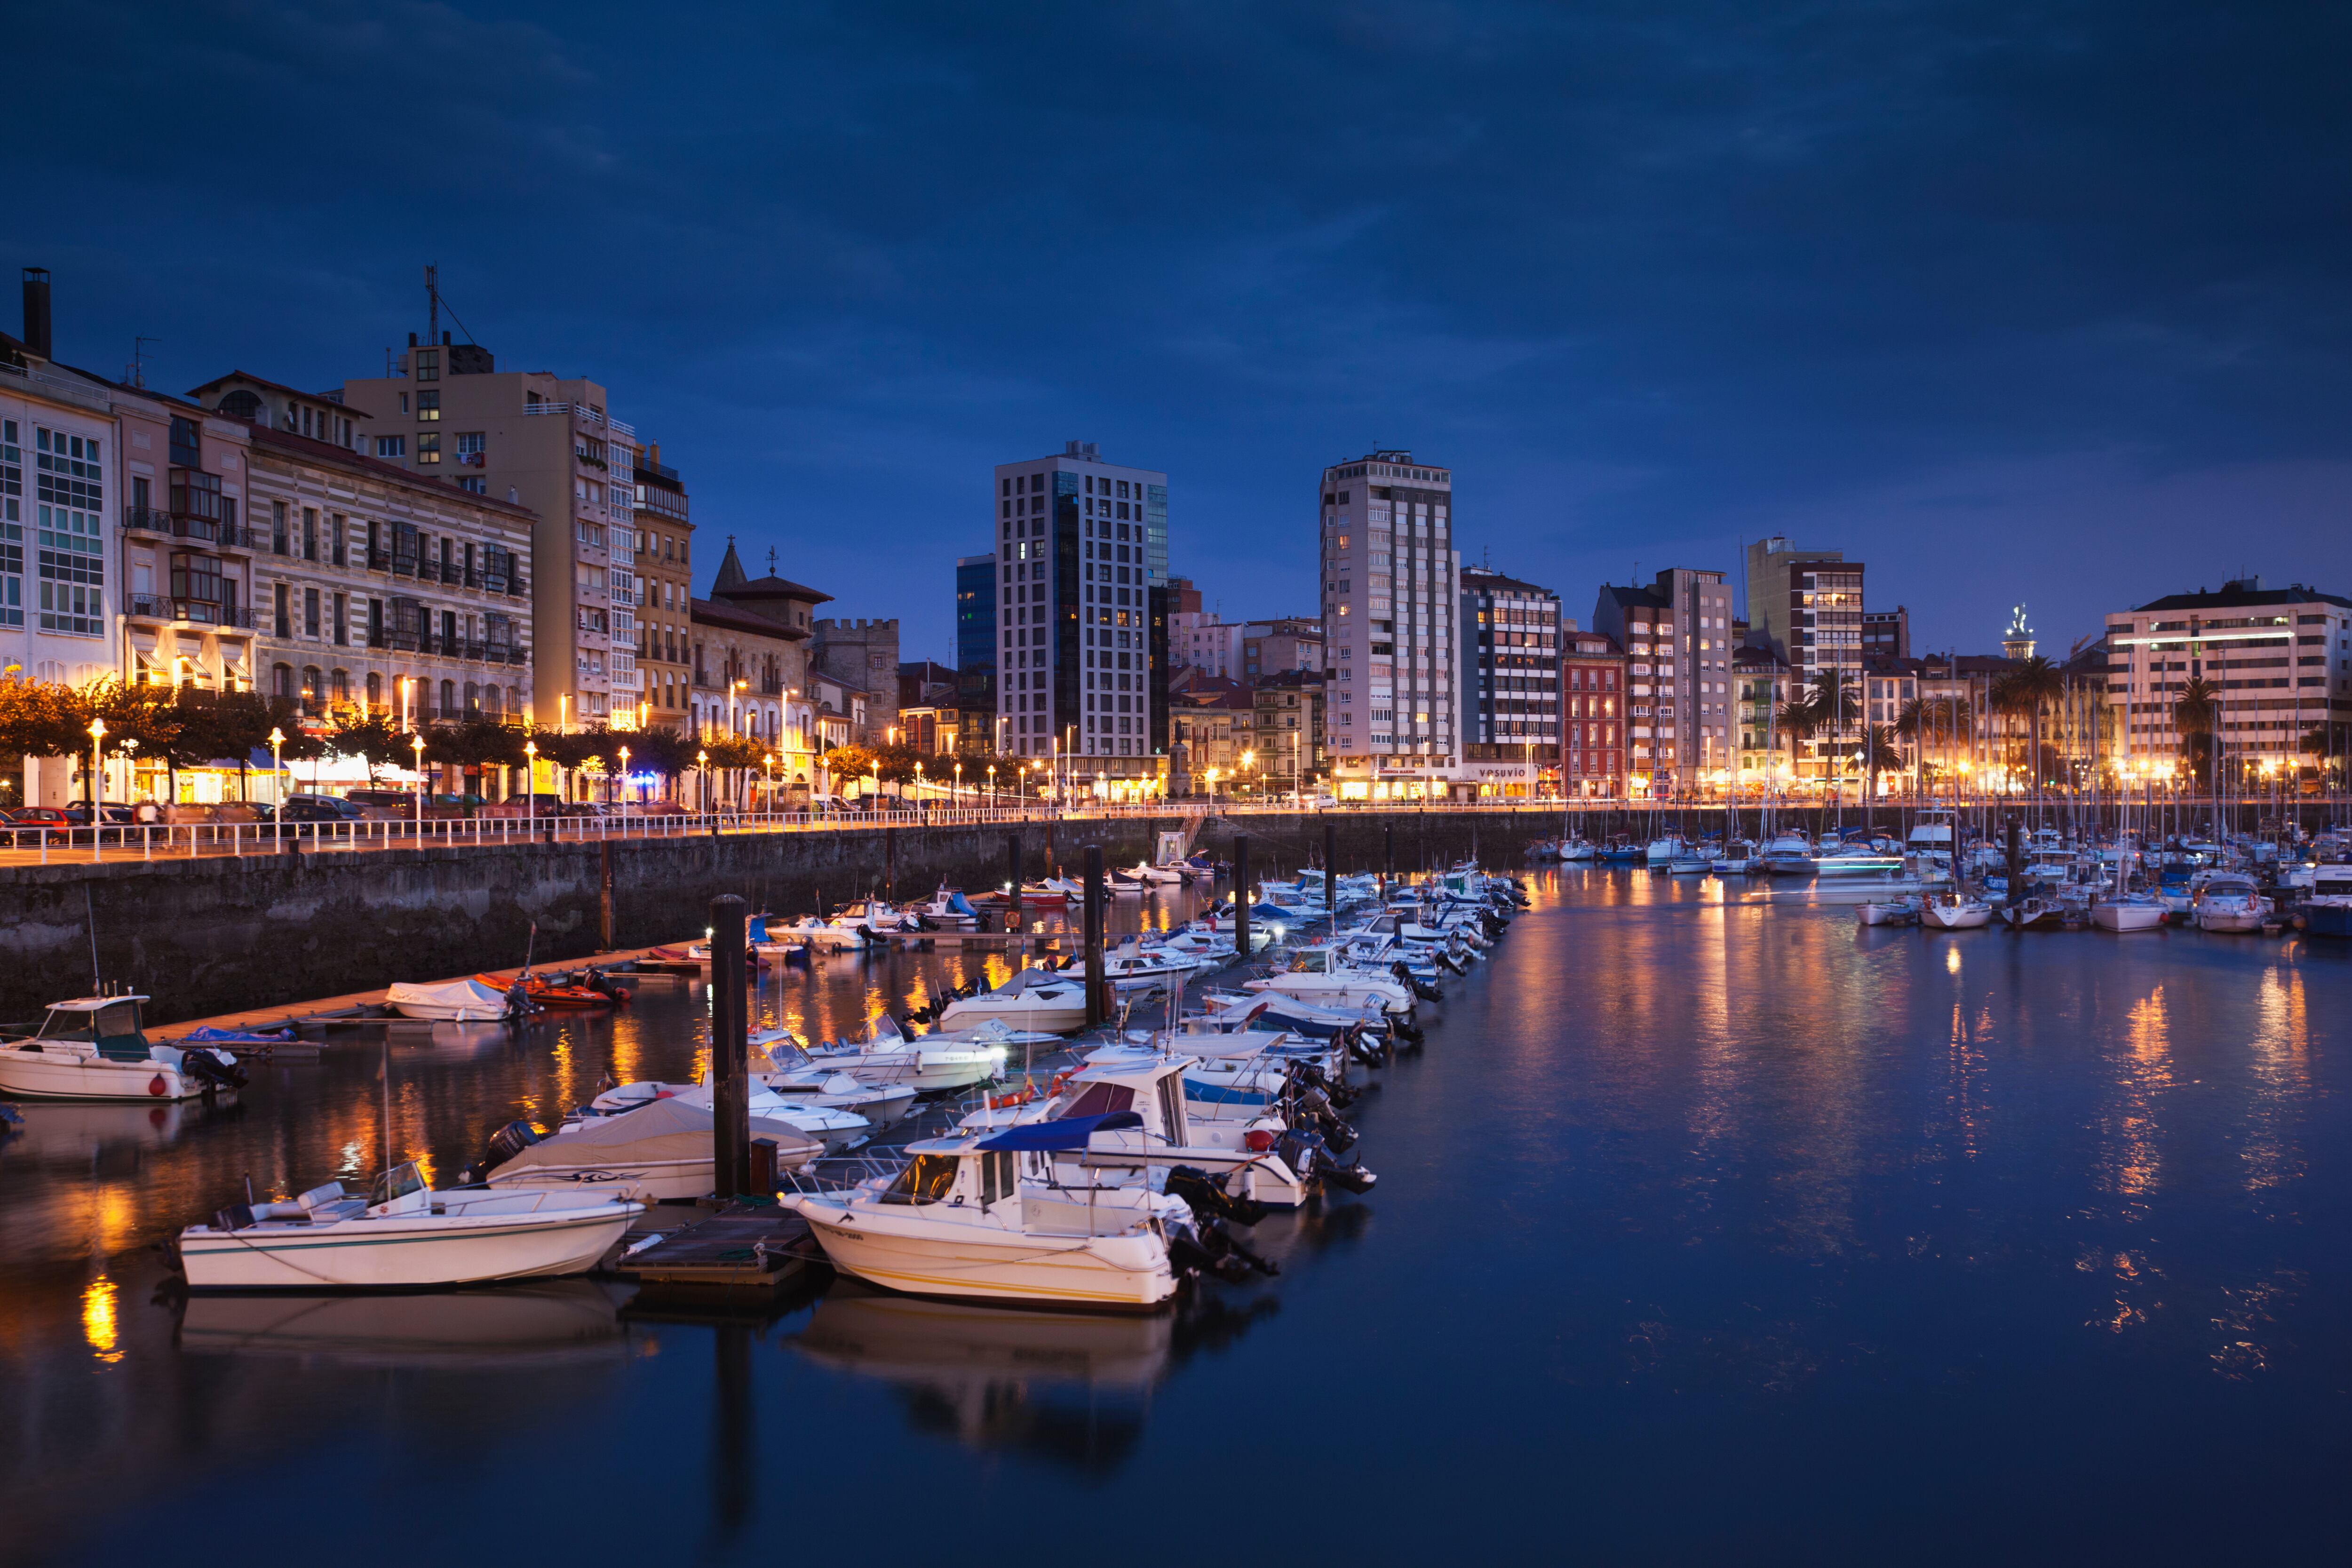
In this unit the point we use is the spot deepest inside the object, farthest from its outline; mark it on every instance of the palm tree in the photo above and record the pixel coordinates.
(2197, 712)
(1911, 723)
(1796, 718)
(2033, 685)
(1835, 704)
(1878, 743)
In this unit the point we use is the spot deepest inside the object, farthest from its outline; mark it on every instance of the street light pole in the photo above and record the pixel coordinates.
(531, 788)
(624, 789)
(97, 761)
(416, 746)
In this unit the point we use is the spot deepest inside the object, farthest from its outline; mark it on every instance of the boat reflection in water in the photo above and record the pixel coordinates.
(1071, 1387)
(554, 1321)
(109, 1138)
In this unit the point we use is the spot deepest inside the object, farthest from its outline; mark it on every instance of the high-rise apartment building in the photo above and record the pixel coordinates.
(2280, 661)
(1510, 679)
(1677, 634)
(975, 635)
(1390, 573)
(1082, 623)
(1592, 748)
(665, 589)
(548, 443)
(1806, 606)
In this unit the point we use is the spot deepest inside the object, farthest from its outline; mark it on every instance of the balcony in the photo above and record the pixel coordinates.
(146, 520)
(192, 612)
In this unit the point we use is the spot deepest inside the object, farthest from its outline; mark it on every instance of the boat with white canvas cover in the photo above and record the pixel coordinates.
(2131, 913)
(404, 1235)
(837, 1129)
(93, 1047)
(1319, 976)
(447, 1001)
(659, 1152)
(933, 1065)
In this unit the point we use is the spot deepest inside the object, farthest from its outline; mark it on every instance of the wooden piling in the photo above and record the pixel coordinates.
(730, 1067)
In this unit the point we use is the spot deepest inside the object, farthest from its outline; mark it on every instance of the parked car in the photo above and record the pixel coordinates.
(37, 817)
(400, 798)
(113, 813)
(324, 808)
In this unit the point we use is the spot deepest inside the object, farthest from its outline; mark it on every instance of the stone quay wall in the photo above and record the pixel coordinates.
(210, 936)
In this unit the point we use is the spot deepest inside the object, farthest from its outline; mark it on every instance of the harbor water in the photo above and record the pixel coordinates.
(1708, 1228)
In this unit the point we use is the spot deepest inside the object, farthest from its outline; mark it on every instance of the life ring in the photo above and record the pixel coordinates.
(156, 1086)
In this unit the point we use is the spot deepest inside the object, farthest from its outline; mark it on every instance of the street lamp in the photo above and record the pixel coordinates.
(624, 789)
(531, 788)
(277, 772)
(702, 794)
(97, 761)
(417, 745)
(768, 775)
(564, 713)
(991, 784)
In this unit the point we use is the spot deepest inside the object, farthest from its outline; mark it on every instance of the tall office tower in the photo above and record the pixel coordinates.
(1510, 679)
(1082, 619)
(1389, 575)
(1806, 606)
(975, 632)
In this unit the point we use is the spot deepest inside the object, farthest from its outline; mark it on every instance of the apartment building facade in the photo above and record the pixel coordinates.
(1214, 725)
(547, 443)
(752, 670)
(1592, 709)
(2280, 660)
(1677, 634)
(863, 655)
(371, 589)
(664, 571)
(975, 639)
(1762, 684)
(1510, 665)
(1389, 597)
(1082, 623)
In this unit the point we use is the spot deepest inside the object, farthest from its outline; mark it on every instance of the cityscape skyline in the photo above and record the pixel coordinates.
(1707, 296)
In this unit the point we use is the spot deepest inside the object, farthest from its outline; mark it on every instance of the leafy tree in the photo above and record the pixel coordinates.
(372, 738)
(663, 752)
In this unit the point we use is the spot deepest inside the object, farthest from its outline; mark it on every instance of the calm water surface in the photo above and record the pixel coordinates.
(1704, 1232)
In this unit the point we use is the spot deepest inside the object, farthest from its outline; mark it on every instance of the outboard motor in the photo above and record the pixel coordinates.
(506, 1144)
(1208, 1199)
(211, 1070)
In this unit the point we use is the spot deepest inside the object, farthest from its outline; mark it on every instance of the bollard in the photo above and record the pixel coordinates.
(730, 1067)
(1331, 873)
(1241, 897)
(1012, 875)
(1093, 931)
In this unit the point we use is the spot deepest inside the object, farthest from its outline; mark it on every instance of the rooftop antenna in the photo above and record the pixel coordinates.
(432, 325)
(139, 361)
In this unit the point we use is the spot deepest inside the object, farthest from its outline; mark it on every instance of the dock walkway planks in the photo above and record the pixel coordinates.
(741, 1248)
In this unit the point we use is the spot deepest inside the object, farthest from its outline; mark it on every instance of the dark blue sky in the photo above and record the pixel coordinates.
(2039, 301)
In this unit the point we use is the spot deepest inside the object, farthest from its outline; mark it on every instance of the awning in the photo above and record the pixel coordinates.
(1069, 1132)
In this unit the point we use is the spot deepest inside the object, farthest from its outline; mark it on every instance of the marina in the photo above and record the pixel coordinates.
(1828, 1170)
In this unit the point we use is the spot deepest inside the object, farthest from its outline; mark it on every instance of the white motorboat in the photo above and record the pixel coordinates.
(404, 1235)
(1577, 850)
(871, 919)
(660, 1152)
(1131, 969)
(2129, 913)
(836, 1129)
(787, 1072)
(1665, 851)
(1691, 863)
(986, 1218)
(1788, 854)
(1954, 911)
(2230, 902)
(1857, 859)
(1319, 975)
(1163, 874)
(1889, 912)
(1047, 1002)
(447, 1001)
(92, 1047)
(936, 1063)
(1740, 859)
(806, 931)
(947, 909)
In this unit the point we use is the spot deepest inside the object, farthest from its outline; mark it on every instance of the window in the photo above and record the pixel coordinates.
(282, 621)
(310, 612)
(429, 448)
(338, 529)
(309, 533)
(392, 446)
(428, 368)
(277, 528)
(428, 406)
(469, 444)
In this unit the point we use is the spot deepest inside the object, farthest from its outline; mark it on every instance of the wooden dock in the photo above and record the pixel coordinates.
(741, 1250)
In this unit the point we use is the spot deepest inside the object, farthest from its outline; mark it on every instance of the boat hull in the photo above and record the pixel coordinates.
(1051, 1018)
(2127, 917)
(50, 1075)
(969, 1263)
(404, 1252)
(1947, 917)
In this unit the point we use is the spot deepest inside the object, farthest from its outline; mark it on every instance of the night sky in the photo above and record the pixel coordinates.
(2037, 302)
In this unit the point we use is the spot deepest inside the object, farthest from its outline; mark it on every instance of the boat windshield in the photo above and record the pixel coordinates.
(928, 1178)
(396, 1183)
(116, 1020)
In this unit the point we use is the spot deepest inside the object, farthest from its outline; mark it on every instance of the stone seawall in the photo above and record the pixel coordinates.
(211, 936)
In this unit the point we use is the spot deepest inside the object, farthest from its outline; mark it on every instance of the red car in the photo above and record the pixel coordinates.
(37, 817)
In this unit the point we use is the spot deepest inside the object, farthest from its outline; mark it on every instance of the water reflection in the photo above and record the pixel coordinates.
(1825, 1228)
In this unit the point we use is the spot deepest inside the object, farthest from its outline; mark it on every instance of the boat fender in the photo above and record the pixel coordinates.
(156, 1086)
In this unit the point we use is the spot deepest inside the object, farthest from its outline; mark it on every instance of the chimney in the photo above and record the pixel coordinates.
(37, 311)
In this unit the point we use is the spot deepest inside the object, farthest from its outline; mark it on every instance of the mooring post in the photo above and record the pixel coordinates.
(1241, 897)
(730, 1067)
(604, 897)
(2016, 866)
(1013, 876)
(890, 864)
(1331, 873)
(1388, 858)
(1093, 934)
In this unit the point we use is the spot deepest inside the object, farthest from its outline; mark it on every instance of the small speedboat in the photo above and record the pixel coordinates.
(659, 1151)
(836, 1129)
(1889, 912)
(1035, 999)
(2230, 902)
(807, 931)
(93, 1047)
(404, 1235)
(935, 1064)
(2038, 913)
(947, 909)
